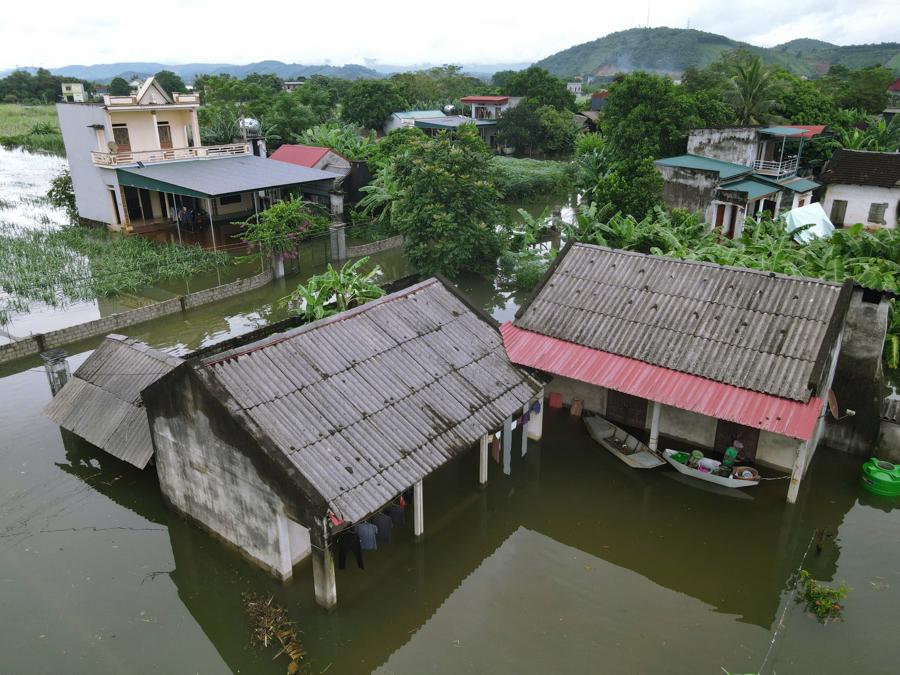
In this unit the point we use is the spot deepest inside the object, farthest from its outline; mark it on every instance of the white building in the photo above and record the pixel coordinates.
(574, 87)
(489, 107)
(73, 92)
(137, 161)
(863, 187)
(407, 118)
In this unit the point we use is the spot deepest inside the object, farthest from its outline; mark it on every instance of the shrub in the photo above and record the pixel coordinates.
(522, 178)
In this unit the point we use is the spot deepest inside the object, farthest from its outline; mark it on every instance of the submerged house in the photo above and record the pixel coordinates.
(732, 173)
(136, 161)
(407, 118)
(279, 445)
(695, 352)
(487, 128)
(863, 187)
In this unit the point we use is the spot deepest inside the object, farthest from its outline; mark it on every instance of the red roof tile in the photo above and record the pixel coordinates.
(655, 383)
(302, 155)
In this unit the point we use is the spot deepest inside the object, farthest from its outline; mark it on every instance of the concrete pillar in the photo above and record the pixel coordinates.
(418, 510)
(654, 426)
(57, 367)
(483, 459)
(536, 423)
(195, 124)
(507, 445)
(525, 410)
(277, 266)
(797, 472)
(155, 131)
(337, 206)
(323, 566)
(338, 241)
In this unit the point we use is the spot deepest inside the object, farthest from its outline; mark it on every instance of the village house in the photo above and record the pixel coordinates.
(489, 107)
(698, 353)
(292, 85)
(278, 446)
(487, 128)
(137, 161)
(863, 187)
(407, 118)
(732, 173)
(574, 88)
(598, 100)
(73, 92)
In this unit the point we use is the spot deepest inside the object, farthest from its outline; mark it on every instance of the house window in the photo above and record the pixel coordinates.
(230, 199)
(120, 138)
(838, 212)
(876, 213)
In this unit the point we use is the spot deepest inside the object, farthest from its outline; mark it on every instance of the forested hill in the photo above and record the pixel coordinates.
(672, 50)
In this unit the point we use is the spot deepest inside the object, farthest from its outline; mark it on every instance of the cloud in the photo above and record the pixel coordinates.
(506, 32)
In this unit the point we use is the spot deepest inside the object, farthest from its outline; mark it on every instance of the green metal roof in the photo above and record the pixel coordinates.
(753, 187)
(452, 122)
(799, 184)
(415, 114)
(783, 131)
(205, 178)
(724, 169)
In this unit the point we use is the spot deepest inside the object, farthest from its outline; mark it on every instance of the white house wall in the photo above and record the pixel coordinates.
(91, 183)
(859, 198)
(729, 144)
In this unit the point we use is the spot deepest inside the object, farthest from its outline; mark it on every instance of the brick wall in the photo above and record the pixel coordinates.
(39, 342)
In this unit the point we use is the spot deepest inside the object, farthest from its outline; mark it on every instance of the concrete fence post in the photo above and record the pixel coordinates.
(57, 367)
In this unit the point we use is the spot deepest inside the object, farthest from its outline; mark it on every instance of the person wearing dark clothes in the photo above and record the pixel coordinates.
(348, 542)
(368, 536)
(384, 524)
(397, 514)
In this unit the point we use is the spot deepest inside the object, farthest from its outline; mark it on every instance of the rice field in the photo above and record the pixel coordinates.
(32, 127)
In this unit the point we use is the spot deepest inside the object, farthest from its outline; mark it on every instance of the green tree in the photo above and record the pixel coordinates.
(62, 194)
(804, 102)
(501, 80)
(541, 88)
(170, 82)
(646, 116)
(632, 187)
(448, 206)
(280, 228)
(369, 103)
(520, 128)
(557, 130)
(752, 92)
(119, 87)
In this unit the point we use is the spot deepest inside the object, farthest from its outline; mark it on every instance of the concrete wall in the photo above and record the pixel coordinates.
(39, 342)
(203, 458)
(91, 183)
(858, 377)
(374, 247)
(689, 189)
(730, 144)
(246, 204)
(889, 442)
(859, 198)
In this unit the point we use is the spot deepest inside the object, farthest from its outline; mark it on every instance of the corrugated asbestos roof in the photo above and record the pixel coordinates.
(655, 383)
(755, 330)
(725, 170)
(861, 167)
(368, 402)
(102, 402)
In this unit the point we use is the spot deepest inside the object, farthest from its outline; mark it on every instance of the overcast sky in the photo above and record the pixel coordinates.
(54, 33)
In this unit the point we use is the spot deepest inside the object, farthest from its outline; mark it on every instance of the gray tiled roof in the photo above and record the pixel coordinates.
(368, 402)
(755, 330)
(102, 402)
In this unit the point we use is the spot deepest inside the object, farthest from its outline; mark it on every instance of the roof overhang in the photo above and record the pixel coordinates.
(670, 387)
(207, 178)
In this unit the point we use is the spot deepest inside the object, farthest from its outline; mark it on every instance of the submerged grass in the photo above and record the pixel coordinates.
(32, 127)
(75, 263)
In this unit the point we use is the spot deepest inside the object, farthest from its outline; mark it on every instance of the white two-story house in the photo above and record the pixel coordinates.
(137, 162)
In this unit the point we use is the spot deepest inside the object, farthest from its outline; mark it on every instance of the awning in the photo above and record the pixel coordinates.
(655, 383)
(206, 178)
(785, 131)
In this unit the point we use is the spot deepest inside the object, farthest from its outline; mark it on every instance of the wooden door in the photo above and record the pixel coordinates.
(720, 215)
(165, 136)
(626, 409)
(121, 138)
(729, 432)
(838, 212)
(732, 221)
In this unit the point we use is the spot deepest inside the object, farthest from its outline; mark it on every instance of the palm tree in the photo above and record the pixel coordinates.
(751, 92)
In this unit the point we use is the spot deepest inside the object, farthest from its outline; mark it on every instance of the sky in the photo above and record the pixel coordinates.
(55, 33)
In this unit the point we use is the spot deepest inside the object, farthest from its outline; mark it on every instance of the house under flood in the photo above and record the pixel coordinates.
(696, 352)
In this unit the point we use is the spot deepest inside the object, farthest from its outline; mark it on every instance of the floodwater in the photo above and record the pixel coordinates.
(573, 564)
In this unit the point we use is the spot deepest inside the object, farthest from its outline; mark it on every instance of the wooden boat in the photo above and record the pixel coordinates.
(622, 444)
(710, 476)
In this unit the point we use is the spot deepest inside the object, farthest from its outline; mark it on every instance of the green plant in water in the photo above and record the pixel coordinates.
(823, 601)
(336, 291)
(280, 228)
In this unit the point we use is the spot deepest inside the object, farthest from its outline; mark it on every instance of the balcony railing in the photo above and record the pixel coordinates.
(165, 155)
(132, 99)
(778, 169)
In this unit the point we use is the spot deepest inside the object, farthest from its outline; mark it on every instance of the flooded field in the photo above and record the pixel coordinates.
(573, 564)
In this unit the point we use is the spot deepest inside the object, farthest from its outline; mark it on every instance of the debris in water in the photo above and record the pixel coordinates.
(268, 623)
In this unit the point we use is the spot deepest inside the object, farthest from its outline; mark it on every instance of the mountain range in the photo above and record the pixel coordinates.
(659, 50)
(672, 50)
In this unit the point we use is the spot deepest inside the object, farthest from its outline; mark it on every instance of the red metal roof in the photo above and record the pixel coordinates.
(302, 155)
(600, 94)
(495, 100)
(655, 383)
(894, 86)
(811, 129)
